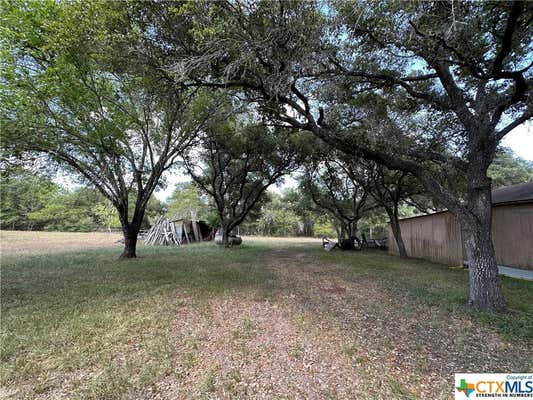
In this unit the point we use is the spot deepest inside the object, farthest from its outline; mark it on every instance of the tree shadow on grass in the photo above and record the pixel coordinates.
(411, 312)
(438, 286)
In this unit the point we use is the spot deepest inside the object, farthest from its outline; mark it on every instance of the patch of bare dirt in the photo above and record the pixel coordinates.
(241, 348)
(324, 334)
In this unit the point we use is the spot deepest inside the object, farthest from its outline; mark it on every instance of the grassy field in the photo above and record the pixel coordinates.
(31, 242)
(271, 319)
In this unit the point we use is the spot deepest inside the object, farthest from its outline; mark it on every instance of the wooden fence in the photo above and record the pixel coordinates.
(437, 237)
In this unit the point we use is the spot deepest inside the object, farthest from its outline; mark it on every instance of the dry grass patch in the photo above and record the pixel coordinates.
(396, 338)
(249, 349)
(17, 243)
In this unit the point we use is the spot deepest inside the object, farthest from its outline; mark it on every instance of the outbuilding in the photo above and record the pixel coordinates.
(178, 232)
(437, 237)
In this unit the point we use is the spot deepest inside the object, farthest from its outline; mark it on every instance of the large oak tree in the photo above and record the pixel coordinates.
(467, 65)
(236, 161)
(67, 93)
(340, 187)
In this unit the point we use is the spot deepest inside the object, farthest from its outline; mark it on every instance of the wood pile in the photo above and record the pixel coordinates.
(164, 233)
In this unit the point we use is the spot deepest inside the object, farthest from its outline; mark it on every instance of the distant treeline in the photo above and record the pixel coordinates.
(32, 201)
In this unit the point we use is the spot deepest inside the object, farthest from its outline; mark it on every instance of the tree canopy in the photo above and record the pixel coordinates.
(440, 86)
(340, 187)
(117, 127)
(238, 160)
(119, 91)
(188, 202)
(509, 169)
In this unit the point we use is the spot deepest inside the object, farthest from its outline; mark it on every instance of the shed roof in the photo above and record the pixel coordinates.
(514, 194)
(521, 193)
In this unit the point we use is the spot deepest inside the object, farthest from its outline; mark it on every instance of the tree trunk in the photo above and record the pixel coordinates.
(308, 228)
(485, 287)
(352, 229)
(341, 232)
(338, 231)
(225, 236)
(397, 232)
(130, 241)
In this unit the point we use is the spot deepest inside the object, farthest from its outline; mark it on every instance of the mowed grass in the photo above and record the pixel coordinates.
(88, 313)
(34, 242)
(436, 285)
(84, 325)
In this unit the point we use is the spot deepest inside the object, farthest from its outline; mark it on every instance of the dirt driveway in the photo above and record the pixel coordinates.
(324, 334)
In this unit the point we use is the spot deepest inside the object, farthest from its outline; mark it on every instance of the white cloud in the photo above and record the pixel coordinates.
(520, 140)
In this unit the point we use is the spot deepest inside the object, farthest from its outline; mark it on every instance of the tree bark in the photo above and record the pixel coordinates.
(130, 230)
(130, 241)
(342, 232)
(308, 228)
(397, 232)
(352, 229)
(225, 236)
(485, 286)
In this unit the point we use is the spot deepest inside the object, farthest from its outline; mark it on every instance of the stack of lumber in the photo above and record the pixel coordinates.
(163, 233)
